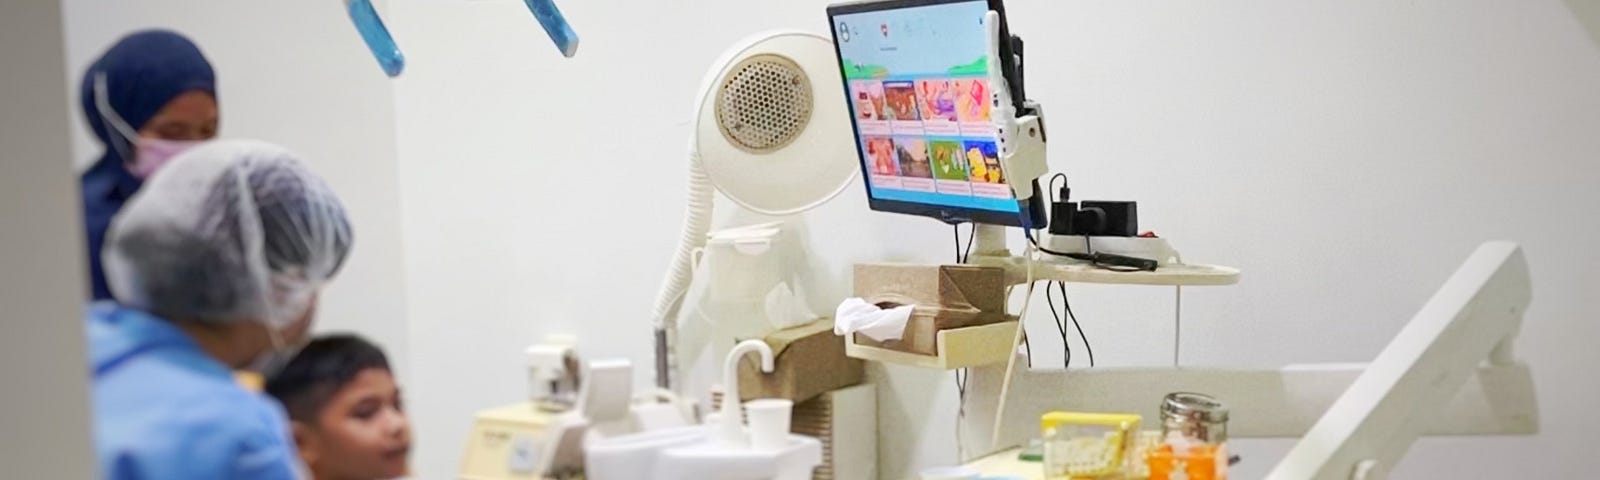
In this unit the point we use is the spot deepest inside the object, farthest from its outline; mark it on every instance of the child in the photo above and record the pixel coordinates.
(344, 410)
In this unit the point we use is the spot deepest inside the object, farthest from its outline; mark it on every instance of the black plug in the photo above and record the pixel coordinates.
(1062, 211)
(1089, 222)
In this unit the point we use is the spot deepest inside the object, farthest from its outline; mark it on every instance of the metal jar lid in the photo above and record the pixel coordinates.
(1194, 407)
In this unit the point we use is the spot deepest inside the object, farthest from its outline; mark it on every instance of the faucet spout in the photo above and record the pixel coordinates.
(729, 432)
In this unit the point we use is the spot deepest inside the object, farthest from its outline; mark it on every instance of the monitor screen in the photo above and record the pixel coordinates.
(917, 78)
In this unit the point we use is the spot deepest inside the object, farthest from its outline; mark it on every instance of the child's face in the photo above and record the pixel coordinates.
(362, 433)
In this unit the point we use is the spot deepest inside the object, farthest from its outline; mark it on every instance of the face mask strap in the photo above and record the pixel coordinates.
(276, 337)
(113, 122)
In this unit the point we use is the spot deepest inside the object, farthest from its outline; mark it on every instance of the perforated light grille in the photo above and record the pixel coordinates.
(764, 103)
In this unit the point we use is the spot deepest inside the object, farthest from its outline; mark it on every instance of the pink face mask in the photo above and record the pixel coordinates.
(151, 153)
(148, 154)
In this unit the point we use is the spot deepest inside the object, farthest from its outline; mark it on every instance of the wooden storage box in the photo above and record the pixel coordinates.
(808, 361)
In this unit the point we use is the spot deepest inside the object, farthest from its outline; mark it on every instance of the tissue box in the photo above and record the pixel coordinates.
(809, 360)
(951, 287)
(943, 297)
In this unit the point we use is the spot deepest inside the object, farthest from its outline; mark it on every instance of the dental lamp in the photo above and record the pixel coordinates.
(771, 132)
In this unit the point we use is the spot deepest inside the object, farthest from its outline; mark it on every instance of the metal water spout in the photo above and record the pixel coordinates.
(730, 432)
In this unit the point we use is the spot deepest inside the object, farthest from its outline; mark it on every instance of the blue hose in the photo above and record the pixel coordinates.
(377, 37)
(555, 25)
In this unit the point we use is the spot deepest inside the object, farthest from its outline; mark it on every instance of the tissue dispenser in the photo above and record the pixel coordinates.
(943, 297)
(809, 360)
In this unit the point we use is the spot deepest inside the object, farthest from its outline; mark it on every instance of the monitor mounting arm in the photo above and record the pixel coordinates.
(1020, 134)
(1020, 137)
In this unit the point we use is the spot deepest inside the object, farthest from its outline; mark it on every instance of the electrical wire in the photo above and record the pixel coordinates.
(1061, 323)
(1026, 346)
(1088, 257)
(1052, 186)
(1087, 246)
(964, 253)
(1075, 323)
(971, 234)
(956, 229)
(1066, 349)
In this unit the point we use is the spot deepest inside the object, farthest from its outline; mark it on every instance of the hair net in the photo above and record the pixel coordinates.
(232, 230)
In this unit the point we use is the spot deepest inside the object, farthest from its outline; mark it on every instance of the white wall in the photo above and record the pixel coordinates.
(293, 73)
(44, 410)
(1347, 155)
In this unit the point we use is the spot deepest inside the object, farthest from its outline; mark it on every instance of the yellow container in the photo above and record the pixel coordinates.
(1087, 445)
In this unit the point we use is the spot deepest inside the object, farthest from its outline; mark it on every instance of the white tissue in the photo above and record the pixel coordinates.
(786, 308)
(857, 316)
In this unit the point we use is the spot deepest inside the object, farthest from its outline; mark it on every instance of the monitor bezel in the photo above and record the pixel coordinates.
(1033, 208)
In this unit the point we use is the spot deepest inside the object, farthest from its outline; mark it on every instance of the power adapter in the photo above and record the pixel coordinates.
(1092, 219)
(1063, 213)
(1069, 218)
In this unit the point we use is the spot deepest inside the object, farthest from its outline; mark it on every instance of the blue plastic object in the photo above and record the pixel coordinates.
(555, 25)
(376, 36)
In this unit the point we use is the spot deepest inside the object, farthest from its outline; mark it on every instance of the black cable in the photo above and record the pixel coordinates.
(961, 405)
(964, 253)
(1025, 344)
(1088, 257)
(1075, 323)
(961, 384)
(956, 229)
(1052, 186)
(1065, 345)
(971, 234)
(1088, 246)
(1066, 361)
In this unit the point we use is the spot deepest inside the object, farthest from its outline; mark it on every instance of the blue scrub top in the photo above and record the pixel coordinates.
(106, 187)
(163, 409)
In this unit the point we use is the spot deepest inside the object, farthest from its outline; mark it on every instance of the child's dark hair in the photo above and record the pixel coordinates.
(313, 376)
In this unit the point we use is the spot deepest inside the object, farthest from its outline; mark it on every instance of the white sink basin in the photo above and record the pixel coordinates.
(632, 457)
(712, 461)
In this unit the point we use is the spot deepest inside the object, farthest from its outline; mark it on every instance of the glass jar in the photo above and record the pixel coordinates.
(1195, 418)
(1194, 436)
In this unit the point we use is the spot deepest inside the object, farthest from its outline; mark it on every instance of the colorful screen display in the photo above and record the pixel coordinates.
(918, 83)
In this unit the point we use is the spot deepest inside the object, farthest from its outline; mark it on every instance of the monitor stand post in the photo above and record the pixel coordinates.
(990, 241)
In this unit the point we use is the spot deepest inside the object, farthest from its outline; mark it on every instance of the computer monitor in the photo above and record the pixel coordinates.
(916, 76)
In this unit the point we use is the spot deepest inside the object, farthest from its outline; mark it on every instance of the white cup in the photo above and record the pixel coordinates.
(950, 473)
(769, 423)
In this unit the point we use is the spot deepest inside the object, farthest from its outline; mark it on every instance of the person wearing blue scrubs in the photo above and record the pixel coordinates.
(215, 265)
(147, 98)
